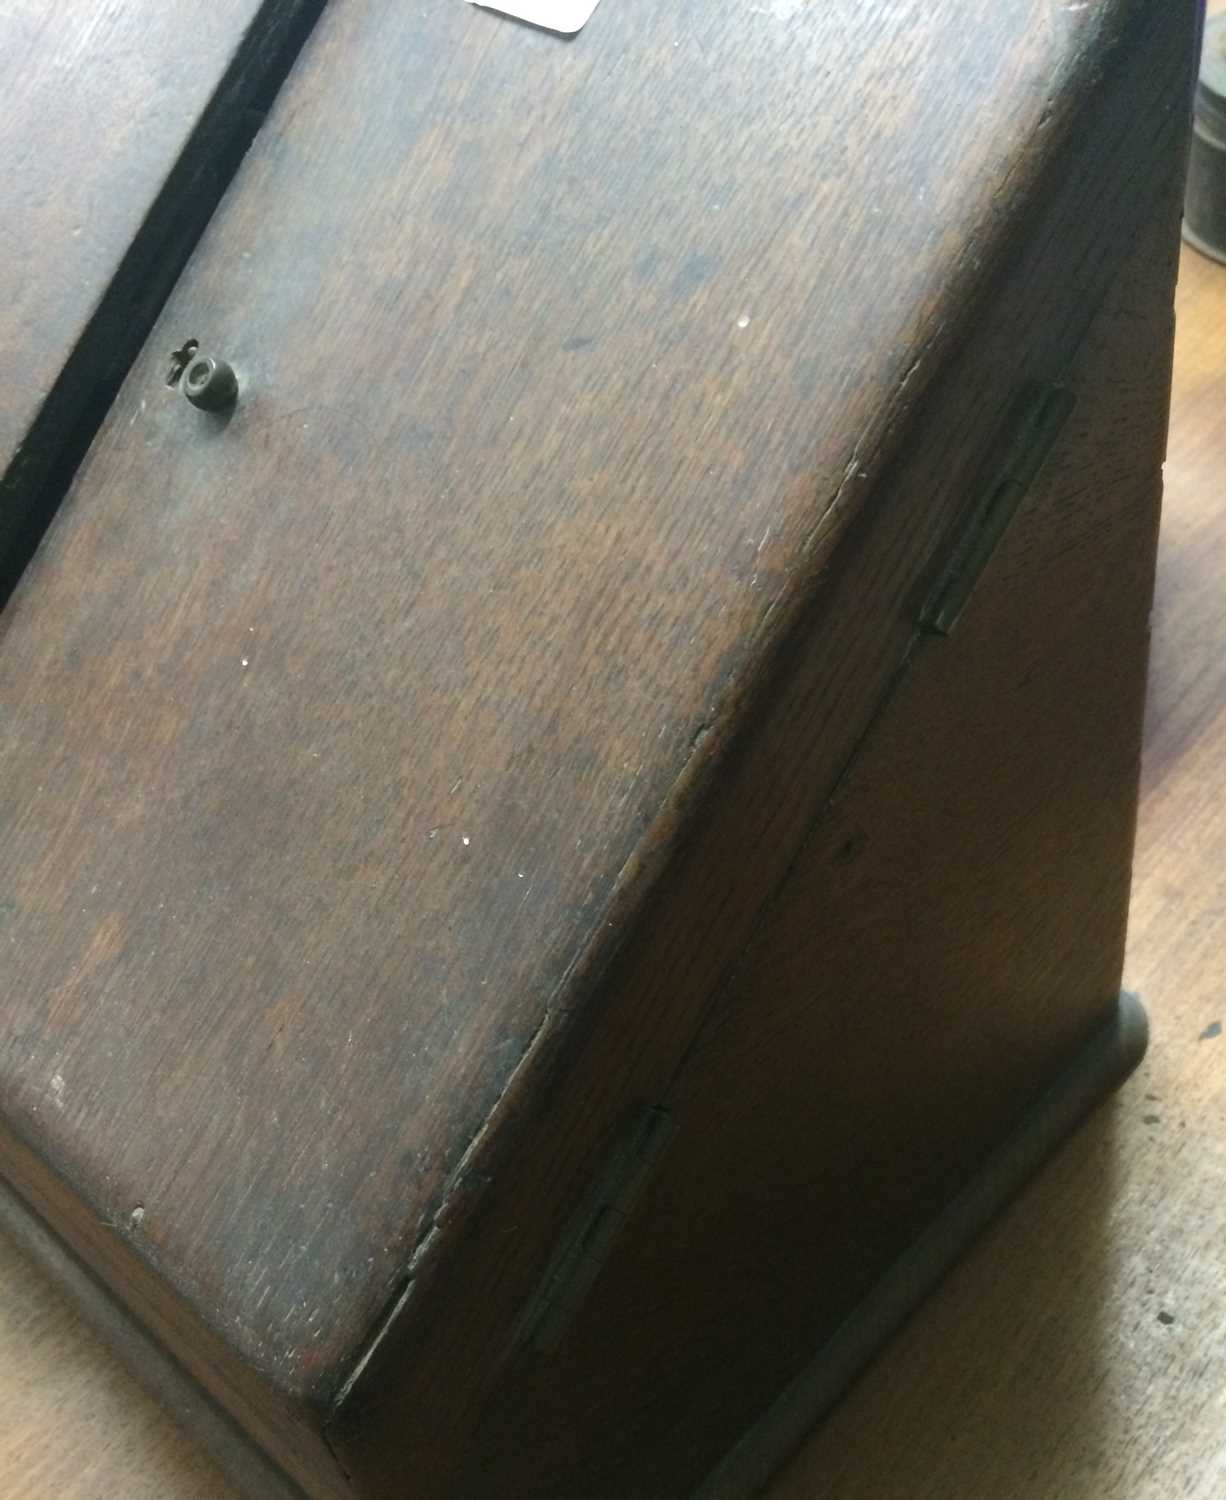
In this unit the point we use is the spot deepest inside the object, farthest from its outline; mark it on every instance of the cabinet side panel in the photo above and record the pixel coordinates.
(454, 1399)
(949, 937)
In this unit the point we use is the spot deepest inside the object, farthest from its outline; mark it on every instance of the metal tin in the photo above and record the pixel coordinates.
(1204, 221)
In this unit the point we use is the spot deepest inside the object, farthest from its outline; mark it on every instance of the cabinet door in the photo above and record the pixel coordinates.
(121, 122)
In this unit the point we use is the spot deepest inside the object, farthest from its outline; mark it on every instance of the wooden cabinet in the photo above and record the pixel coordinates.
(560, 857)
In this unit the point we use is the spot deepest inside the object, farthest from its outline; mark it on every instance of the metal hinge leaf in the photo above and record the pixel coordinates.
(1036, 421)
(589, 1237)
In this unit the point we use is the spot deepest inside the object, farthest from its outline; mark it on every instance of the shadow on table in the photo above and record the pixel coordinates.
(996, 1389)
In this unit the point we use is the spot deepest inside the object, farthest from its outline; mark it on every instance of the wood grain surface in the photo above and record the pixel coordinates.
(44, 1394)
(373, 716)
(950, 933)
(816, 709)
(1078, 1349)
(119, 120)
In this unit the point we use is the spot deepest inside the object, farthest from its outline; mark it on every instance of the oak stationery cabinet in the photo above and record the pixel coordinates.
(562, 854)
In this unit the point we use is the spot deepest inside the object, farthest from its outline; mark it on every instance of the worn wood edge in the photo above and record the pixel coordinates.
(135, 1283)
(1104, 1062)
(1078, 84)
(53, 447)
(245, 1465)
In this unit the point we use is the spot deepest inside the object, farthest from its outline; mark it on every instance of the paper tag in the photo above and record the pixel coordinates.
(567, 16)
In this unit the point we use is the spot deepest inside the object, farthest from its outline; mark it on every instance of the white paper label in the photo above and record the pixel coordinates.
(567, 16)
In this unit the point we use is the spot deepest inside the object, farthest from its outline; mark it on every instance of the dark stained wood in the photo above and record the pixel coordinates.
(120, 123)
(429, 736)
(1101, 1394)
(1126, 1223)
(846, 653)
(951, 932)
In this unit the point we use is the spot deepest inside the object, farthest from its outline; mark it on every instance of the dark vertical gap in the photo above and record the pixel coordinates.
(43, 468)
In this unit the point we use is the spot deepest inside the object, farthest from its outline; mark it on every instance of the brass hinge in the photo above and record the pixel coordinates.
(589, 1236)
(1034, 423)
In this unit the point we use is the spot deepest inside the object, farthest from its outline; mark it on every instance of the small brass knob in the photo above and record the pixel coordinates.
(210, 384)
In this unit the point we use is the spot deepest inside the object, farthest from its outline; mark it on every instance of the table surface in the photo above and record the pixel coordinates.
(1080, 1348)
